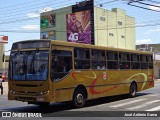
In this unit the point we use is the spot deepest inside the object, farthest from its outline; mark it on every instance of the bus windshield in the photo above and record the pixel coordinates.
(29, 65)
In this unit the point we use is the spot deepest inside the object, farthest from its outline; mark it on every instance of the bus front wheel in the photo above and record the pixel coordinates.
(133, 90)
(79, 98)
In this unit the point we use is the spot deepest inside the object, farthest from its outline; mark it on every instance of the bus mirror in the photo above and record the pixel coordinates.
(3, 58)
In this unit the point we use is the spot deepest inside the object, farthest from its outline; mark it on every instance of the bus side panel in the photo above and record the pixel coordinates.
(130, 76)
(145, 80)
(64, 89)
(113, 85)
(96, 85)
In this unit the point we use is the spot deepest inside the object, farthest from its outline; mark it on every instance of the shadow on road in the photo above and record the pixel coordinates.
(57, 107)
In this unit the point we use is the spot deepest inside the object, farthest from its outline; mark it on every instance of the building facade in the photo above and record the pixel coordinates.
(2, 64)
(85, 23)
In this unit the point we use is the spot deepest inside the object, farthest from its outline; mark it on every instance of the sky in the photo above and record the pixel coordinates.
(19, 19)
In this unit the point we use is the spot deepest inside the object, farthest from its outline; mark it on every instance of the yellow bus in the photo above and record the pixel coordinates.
(45, 71)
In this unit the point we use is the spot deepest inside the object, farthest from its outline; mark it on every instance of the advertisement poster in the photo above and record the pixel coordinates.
(48, 21)
(78, 27)
(48, 35)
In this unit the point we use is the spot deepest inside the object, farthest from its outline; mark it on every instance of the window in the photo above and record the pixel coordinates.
(81, 58)
(98, 59)
(122, 36)
(111, 34)
(150, 61)
(61, 64)
(112, 60)
(119, 23)
(29, 65)
(102, 19)
(124, 60)
(135, 61)
(144, 61)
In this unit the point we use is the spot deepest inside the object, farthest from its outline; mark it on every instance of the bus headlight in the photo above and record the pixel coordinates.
(43, 92)
(12, 91)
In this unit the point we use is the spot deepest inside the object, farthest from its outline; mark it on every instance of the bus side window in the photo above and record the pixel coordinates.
(124, 60)
(61, 64)
(144, 61)
(112, 60)
(98, 60)
(135, 61)
(81, 58)
(150, 61)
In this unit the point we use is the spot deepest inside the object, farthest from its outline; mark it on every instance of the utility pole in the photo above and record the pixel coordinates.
(3, 41)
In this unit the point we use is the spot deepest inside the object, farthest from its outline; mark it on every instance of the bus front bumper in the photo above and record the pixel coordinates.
(29, 98)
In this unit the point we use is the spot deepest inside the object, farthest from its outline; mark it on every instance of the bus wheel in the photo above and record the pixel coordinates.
(79, 98)
(133, 90)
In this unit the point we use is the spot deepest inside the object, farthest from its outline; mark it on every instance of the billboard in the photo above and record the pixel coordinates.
(48, 35)
(78, 27)
(3, 39)
(48, 21)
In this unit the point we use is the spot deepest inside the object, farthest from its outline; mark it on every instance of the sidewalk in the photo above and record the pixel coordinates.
(5, 88)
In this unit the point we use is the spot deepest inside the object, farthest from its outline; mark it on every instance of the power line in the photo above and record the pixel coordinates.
(11, 6)
(58, 4)
(148, 4)
(101, 4)
(12, 18)
(18, 20)
(139, 1)
(37, 31)
(143, 8)
(152, 1)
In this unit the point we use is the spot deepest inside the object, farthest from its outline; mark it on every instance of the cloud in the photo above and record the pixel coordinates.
(144, 41)
(151, 31)
(30, 15)
(155, 30)
(140, 24)
(37, 13)
(155, 8)
(30, 27)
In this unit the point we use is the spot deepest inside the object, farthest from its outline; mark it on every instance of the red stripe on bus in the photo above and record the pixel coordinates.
(92, 86)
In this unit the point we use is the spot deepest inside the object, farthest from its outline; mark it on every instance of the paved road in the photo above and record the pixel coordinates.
(148, 100)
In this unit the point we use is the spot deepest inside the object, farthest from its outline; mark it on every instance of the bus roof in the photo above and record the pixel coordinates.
(63, 43)
(72, 44)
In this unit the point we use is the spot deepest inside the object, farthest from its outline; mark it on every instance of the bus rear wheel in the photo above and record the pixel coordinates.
(133, 90)
(79, 98)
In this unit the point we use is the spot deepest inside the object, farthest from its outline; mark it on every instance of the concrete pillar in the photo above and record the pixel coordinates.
(2, 64)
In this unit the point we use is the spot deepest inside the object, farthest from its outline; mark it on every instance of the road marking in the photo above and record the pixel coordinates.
(143, 105)
(127, 103)
(154, 109)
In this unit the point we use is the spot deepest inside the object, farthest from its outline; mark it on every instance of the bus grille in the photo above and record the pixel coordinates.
(25, 98)
(26, 93)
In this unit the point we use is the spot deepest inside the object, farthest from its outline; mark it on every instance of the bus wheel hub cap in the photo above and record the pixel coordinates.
(79, 98)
